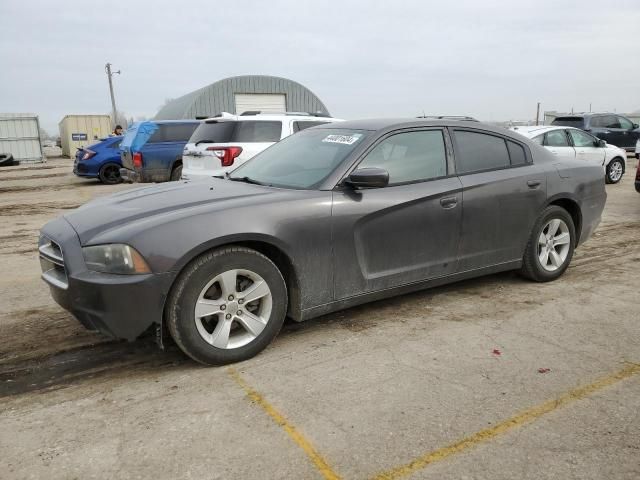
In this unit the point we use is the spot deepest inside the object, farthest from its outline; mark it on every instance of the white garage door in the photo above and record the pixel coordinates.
(263, 102)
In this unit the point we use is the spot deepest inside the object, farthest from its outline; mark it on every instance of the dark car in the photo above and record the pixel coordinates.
(613, 128)
(637, 182)
(100, 160)
(328, 218)
(151, 151)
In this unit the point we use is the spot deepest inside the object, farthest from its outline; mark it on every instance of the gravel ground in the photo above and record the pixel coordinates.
(402, 386)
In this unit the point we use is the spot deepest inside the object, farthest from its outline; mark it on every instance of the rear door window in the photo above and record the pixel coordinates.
(304, 124)
(479, 151)
(611, 121)
(556, 138)
(597, 122)
(257, 131)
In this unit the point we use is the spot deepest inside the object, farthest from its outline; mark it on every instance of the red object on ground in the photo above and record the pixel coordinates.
(497, 352)
(544, 370)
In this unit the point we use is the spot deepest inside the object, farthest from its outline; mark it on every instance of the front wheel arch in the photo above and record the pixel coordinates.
(267, 247)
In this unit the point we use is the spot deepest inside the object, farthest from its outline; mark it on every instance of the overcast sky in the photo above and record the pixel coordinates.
(490, 59)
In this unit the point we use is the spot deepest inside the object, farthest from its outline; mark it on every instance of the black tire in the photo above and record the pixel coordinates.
(179, 311)
(176, 173)
(110, 174)
(609, 171)
(6, 160)
(531, 266)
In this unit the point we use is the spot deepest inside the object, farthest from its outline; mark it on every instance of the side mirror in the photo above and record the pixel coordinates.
(601, 143)
(635, 125)
(368, 178)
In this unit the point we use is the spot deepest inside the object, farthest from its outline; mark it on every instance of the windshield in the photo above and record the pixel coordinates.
(303, 160)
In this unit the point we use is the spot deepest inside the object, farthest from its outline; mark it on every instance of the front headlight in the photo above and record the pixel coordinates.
(115, 258)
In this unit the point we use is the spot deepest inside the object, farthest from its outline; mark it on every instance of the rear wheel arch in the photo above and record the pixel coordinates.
(572, 207)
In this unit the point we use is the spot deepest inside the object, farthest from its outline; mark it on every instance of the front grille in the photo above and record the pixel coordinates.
(52, 263)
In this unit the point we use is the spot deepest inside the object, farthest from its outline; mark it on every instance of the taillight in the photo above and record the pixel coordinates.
(226, 154)
(137, 160)
(88, 154)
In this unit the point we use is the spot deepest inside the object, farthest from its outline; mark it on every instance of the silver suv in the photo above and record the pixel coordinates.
(221, 144)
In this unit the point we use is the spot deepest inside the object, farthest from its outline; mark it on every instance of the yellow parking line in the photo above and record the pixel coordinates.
(317, 459)
(522, 418)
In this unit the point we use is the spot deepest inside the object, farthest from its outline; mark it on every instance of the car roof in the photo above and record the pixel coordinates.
(376, 124)
(586, 114)
(226, 117)
(164, 122)
(533, 131)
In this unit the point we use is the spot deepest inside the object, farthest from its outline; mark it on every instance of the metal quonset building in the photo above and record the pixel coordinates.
(242, 94)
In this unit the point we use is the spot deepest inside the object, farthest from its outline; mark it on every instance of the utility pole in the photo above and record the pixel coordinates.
(538, 114)
(110, 74)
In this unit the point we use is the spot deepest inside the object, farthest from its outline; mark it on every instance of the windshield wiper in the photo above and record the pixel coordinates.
(247, 180)
(204, 141)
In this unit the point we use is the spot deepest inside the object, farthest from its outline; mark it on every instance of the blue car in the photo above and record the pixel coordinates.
(100, 160)
(151, 151)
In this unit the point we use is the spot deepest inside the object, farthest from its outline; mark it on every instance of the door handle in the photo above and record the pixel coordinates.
(533, 183)
(448, 202)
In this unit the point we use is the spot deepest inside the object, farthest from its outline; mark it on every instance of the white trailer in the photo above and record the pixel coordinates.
(81, 131)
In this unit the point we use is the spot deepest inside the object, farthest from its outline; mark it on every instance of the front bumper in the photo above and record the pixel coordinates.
(120, 306)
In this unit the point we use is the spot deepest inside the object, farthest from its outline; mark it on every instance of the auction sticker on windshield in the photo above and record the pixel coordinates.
(344, 139)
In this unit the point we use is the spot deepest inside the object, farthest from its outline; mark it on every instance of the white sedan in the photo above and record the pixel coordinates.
(569, 142)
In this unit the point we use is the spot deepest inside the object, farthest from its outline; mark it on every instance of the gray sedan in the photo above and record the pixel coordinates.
(334, 216)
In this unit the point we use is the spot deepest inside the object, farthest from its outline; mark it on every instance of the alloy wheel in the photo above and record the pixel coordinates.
(233, 309)
(615, 171)
(554, 243)
(112, 173)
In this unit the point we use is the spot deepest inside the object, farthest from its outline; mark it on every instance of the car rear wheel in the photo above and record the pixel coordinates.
(176, 173)
(110, 174)
(227, 306)
(551, 245)
(615, 169)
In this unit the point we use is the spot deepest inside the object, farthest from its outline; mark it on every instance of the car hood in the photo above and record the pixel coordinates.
(160, 202)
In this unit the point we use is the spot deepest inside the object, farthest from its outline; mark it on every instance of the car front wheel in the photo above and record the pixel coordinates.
(550, 247)
(227, 306)
(615, 169)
